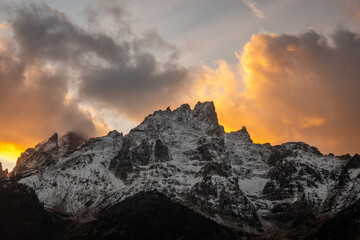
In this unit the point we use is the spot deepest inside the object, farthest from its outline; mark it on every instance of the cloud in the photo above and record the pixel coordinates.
(353, 8)
(45, 34)
(4, 25)
(132, 75)
(34, 93)
(293, 88)
(254, 9)
(147, 82)
(58, 76)
(33, 101)
(55, 74)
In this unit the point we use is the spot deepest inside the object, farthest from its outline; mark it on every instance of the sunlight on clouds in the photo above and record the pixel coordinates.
(56, 76)
(4, 26)
(218, 85)
(10, 151)
(312, 122)
(99, 122)
(3, 45)
(287, 88)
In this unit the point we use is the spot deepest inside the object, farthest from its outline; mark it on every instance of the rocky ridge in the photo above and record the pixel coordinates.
(44, 154)
(186, 155)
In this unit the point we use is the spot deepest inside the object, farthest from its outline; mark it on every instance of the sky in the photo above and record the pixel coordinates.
(287, 70)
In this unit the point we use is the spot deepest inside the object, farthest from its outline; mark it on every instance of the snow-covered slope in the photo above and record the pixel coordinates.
(186, 155)
(76, 183)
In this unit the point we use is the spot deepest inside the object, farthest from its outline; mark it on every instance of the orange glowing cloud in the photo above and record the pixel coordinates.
(10, 151)
(34, 104)
(291, 88)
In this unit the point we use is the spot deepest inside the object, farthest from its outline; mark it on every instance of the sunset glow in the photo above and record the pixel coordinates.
(272, 91)
(284, 80)
(10, 151)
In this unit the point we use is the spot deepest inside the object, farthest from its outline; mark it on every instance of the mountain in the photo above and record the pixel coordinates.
(186, 157)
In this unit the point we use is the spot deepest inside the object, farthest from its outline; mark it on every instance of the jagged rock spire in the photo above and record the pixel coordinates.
(53, 138)
(206, 112)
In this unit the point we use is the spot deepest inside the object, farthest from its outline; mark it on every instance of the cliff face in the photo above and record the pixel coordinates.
(186, 155)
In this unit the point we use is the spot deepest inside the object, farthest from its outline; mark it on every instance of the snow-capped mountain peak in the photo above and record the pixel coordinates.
(186, 155)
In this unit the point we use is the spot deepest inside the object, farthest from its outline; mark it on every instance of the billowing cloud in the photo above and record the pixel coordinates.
(293, 88)
(34, 101)
(132, 75)
(45, 34)
(144, 84)
(254, 9)
(55, 75)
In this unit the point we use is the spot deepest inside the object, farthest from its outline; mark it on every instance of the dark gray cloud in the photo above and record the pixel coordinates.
(135, 91)
(45, 34)
(134, 73)
(48, 56)
(34, 101)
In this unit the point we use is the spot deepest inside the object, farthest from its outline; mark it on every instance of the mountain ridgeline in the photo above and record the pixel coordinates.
(179, 175)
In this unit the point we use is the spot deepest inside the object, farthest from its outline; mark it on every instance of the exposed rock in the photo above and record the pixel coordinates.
(34, 159)
(53, 138)
(161, 152)
(354, 162)
(242, 134)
